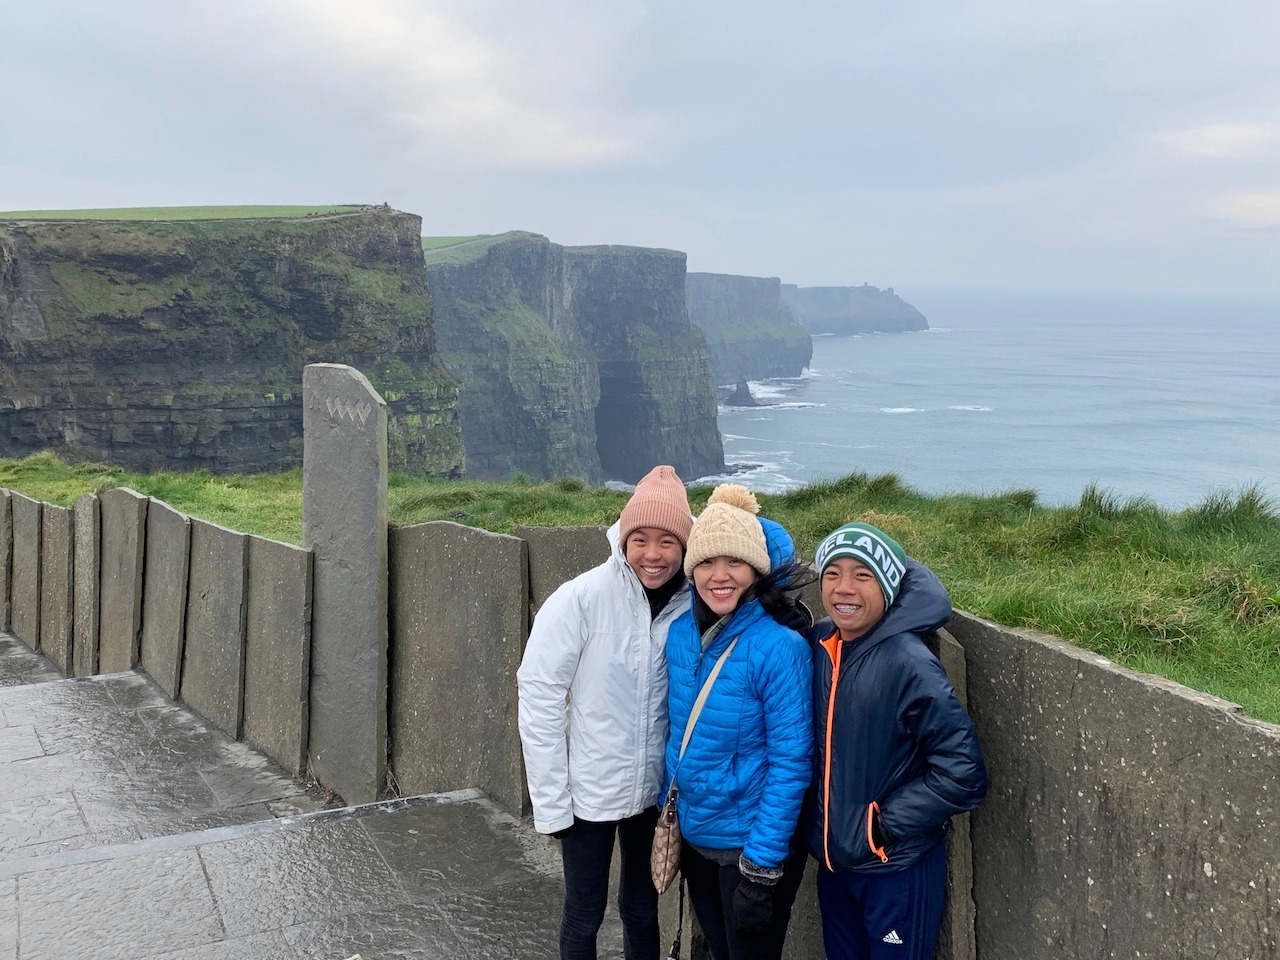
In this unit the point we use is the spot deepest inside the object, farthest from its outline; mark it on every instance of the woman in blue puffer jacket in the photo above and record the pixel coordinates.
(742, 778)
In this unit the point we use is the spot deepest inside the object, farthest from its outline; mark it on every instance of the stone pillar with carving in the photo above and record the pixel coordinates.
(344, 525)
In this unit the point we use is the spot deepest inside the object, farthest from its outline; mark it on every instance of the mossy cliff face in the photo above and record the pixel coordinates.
(574, 361)
(849, 310)
(181, 344)
(529, 385)
(750, 332)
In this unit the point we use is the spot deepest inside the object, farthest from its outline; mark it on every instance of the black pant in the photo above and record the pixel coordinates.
(586, 852)
(711, 888)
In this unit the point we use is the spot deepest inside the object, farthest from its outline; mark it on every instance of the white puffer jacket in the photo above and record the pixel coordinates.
(593, 697)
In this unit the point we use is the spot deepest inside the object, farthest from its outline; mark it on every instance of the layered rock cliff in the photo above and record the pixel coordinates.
(850, 310)
(750, 332)
(181, 344)
(574, 361)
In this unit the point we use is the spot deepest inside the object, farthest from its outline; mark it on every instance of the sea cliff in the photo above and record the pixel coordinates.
(851, 310)
(180, 344)
(750, 332)
(574, 361)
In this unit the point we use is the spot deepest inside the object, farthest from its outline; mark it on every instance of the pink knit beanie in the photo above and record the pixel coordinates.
(659, 501)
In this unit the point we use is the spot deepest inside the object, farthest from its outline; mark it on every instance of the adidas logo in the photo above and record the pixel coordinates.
(892, 937)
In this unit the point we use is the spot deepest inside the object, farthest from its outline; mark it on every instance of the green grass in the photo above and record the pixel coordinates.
(433, 243)
(439, 250)
(1193, 595)
(250, 212)
(269, 505)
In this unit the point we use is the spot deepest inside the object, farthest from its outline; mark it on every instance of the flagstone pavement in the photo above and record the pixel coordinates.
(131, 829)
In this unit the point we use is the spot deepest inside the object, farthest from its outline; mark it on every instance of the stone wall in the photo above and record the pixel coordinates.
(1127, 815)
(217, 618)
(24, 573)
(460, 619)
(6, 556)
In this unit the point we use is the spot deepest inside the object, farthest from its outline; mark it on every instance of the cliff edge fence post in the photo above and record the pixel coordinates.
(344, 524)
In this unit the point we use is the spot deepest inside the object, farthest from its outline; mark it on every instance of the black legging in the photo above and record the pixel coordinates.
(586, 851)
(711, 888)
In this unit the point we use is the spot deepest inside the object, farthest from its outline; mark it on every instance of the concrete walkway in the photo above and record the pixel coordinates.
(130, 828)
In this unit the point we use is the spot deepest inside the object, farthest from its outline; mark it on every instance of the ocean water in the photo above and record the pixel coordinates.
(1167, 400)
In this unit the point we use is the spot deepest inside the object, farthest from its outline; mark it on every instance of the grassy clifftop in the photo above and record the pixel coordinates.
(459, 250)
(250, 212)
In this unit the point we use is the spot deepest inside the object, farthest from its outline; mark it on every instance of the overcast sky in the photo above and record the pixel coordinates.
(1093, 146)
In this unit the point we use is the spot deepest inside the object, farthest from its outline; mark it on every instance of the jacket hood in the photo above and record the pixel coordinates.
(618, 554)
(922, 606)
(782, 549)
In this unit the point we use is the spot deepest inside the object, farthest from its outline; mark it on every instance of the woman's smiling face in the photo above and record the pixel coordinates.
(654, 554)
(722, 581)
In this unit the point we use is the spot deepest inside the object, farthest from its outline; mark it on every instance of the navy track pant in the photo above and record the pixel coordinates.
(884, 916)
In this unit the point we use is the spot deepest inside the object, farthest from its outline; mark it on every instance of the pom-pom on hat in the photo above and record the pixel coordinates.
(873, 548)
(729, 527)
(659, 501)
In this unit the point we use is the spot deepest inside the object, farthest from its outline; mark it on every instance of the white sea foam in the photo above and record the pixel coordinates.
(768, 389)
(975, 408)
(762, 476)
(723, 409)
(901, 410)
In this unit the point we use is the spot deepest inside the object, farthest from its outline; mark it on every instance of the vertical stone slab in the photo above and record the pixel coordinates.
(558, 554)
(6, 559)
(27, 517)
(124, 517)
(460, 620)
(957, 938)
(213, 651)
(344, 525)
(164, 595)
(277, 677)
(56, 544)
(87, 568)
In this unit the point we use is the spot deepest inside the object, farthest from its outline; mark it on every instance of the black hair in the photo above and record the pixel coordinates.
(779, 593)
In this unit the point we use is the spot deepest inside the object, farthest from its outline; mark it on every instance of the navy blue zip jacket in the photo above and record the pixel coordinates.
(891, 739)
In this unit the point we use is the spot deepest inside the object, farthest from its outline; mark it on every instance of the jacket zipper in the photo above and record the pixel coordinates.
(873, 810)
(834, 639)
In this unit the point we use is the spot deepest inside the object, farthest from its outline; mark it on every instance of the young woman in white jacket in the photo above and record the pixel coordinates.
(593, 715)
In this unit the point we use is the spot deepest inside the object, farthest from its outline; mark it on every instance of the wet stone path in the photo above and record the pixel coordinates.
(130, 829)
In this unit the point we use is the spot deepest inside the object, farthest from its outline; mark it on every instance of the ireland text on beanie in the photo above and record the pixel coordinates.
(873, 548)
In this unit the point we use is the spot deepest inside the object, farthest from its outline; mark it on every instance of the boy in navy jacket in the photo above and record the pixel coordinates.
(896, 755)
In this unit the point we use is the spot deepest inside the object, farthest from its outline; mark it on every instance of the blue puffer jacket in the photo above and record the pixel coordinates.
(890, 732)
(750, 757)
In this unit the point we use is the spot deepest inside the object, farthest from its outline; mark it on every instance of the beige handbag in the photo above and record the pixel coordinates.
(664, 863)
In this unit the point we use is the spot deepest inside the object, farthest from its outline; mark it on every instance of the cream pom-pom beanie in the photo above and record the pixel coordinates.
(728, 527)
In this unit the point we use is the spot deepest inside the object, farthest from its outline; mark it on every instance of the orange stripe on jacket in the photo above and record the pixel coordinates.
(833, 646)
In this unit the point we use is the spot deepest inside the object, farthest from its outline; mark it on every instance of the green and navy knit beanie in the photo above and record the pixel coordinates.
(873, 548)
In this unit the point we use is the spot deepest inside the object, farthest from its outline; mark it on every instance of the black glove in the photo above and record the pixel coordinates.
(561, 834)
(752, 908)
